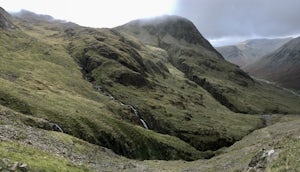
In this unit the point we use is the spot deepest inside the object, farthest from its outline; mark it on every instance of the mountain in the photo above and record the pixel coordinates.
(191, 54)
(74, 98)
(281, 66)
(247, 52)
(234, 55)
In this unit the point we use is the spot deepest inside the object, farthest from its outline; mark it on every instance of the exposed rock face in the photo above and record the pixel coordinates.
(5, 20)
(281, 66)
(261, 160)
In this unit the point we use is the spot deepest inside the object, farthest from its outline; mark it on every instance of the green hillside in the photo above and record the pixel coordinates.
(105, 87)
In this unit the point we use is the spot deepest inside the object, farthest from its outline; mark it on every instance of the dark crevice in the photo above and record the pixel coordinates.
(214, 92)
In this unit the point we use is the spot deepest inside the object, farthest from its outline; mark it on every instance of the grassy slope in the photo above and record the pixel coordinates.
(47, 150)
(283, 137)
(56, 151)
(40, 79)
(167, 100)
(226, 82)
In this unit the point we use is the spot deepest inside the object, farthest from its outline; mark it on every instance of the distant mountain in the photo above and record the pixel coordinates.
(28, 15)
(281, 66)
(249, 51)
(234, 55)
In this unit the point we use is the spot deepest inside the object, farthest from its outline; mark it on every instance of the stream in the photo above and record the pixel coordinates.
(276, 85)
(132, 108)
(56, 127)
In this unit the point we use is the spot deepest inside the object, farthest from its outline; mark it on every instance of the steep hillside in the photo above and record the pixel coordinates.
(41, 81)
(153, 89)
(281, 66)
(190, 53)
(5, 20)
(247, 52)
(142, 77)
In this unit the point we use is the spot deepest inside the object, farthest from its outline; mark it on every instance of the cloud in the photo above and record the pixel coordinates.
(94, 13)
(218, 19)
(221, 21)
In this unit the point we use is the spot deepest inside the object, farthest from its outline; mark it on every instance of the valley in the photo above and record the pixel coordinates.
(150, 95)
(248, 52)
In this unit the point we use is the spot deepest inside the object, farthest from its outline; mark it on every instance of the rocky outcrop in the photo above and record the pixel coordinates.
(5, 21)
(7, 165)
(262, 159)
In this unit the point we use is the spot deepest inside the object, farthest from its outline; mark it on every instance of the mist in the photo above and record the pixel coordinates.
(241, 19)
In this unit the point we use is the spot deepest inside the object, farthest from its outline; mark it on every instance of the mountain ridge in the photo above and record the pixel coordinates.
(249, 51)
(280, 66)
(185, 57)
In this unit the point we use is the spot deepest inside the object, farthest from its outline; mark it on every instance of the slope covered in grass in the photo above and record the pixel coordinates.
(274, 148)
(100, 84)
(189, 52)
(42, 80)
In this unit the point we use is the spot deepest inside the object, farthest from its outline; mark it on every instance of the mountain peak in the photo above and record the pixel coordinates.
(5, 20)
(170, 29)
(33, 16)
(158, 20)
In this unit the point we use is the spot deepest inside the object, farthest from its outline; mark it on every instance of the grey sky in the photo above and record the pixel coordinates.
(225, 21)
(220, 21)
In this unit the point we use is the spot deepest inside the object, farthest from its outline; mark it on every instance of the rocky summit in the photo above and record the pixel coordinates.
(74, 98)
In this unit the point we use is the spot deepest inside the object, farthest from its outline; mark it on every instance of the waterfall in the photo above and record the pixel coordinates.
(132, 108)
(144, 124)
(56, 127)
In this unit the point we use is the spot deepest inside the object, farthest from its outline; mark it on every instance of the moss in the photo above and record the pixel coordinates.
(14, 103)
(288, 156)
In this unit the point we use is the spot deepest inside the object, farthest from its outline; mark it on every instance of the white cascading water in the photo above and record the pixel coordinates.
(133, 109)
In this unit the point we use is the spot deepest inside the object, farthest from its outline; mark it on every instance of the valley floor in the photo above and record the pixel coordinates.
(294, 92)
(273, 148)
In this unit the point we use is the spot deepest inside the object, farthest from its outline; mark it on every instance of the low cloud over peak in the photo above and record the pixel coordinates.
(221, 19)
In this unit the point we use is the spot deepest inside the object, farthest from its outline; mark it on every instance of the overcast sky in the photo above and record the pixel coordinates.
(225, 21)
(220, 21)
